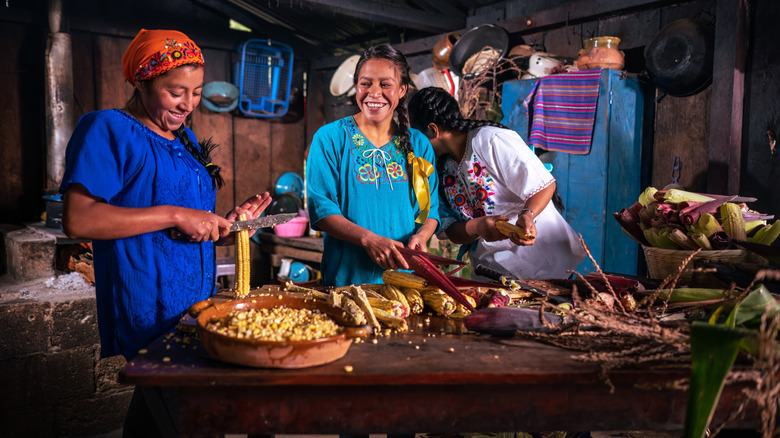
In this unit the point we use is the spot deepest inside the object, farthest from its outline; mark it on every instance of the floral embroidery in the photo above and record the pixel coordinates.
(173, 55)
(470, 191)
(376, 165)
(395, 171)
(366, 173)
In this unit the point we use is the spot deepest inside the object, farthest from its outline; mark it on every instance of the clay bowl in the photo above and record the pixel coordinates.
(268, 354)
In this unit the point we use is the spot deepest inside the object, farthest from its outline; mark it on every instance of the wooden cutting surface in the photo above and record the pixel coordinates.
(438, 377)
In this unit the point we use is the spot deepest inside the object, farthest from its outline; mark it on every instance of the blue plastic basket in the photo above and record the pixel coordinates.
(263, 78)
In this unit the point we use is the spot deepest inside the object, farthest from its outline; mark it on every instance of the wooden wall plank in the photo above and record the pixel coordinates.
(22, 129)
(111, 90)
(252, 157)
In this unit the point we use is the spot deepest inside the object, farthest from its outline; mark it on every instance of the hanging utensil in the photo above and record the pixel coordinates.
(675, 184)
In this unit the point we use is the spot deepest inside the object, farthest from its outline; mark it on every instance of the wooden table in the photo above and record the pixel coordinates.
(436, 379)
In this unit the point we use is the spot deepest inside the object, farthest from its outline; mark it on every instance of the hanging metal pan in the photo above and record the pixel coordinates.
(679, 58)
(472, 42)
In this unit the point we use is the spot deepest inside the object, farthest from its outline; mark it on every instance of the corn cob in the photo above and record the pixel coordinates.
(701, 240)
(430, 272)
(683, 240)
(394, 293)
(353, 310)
(390, 306)
(242, 261)
(391, 321)
(359, 295)
(707, 225)
(438, 301)
(404, 279)
(461, 310)
(506, 229)
(733, 222)
(414, 299)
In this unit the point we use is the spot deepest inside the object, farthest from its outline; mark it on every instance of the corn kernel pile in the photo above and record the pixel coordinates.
(276, 324)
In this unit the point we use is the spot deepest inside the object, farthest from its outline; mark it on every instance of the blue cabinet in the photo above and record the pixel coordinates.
(595, 185)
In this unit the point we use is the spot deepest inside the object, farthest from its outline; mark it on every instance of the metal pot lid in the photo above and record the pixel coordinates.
(679, 58)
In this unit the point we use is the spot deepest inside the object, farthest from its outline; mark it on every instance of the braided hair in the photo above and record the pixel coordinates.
(436, 105)
(203, 155)
(386, 51)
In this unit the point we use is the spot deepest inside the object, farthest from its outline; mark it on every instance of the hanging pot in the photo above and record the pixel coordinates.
(679, 58)
(442, 49)
(472, 44)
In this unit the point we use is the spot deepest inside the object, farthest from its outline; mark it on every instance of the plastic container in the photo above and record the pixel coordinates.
(294, 228)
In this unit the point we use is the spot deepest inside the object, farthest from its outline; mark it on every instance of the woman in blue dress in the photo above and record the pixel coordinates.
(131, 175)
(369, 179)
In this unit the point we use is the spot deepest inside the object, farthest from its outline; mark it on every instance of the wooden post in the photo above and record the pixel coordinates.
(728, 92)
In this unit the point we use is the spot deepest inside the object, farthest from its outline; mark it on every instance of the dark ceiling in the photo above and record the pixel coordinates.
(334, 27)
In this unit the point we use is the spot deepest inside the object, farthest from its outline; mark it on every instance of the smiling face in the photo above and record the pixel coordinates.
(378, 90)
(170, 98)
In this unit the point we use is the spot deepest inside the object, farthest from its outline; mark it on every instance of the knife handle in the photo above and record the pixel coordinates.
(484, 271)
(175, 234)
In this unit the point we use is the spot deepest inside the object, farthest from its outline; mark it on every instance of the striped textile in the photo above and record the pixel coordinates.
(562, 110)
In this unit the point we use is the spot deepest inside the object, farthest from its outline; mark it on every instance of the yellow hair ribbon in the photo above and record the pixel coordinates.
(421, 170)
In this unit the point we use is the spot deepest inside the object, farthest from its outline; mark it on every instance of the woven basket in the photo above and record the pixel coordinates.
(663, 262)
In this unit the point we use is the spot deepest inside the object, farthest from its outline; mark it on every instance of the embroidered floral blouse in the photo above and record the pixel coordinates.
(497, 175)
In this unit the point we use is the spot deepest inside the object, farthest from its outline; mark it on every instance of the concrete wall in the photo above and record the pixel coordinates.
(52, 380)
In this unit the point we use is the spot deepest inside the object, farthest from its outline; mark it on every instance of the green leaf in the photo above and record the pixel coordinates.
(749, 311)
(714, 349)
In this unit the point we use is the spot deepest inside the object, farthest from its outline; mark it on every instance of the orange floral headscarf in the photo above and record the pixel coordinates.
(154, 52)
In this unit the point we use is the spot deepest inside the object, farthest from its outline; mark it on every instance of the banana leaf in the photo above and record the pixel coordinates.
(714, 349)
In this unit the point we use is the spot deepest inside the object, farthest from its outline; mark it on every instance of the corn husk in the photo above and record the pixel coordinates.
(676, 196)
(733, 222)
(771, 234)
(646, 197)
(707, 225)
(701, 240)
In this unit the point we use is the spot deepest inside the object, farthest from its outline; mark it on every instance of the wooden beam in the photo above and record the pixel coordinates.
(728, 93)
(583, 10)
(395, 15)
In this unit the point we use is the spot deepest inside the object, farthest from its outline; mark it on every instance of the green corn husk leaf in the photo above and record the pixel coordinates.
(771, 234)
(646, 196)
(714, 349)
(733, 222)
(649, 234)
(754, 226)
(758, 235)
(662, 239)
(707, 225)
(692, 294)
(676, 196)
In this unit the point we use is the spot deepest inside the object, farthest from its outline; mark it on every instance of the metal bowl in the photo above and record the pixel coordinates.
(269, 354)
(473, 42)
(220, 96)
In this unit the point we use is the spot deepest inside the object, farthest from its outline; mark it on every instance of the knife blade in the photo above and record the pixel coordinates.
(251, 224)
(498, 276)
(263, 222)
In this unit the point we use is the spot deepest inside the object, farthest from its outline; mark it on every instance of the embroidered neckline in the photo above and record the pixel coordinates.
(377, 158)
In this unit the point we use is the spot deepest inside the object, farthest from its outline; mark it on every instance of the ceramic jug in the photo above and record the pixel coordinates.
(601, 52)
(441, 51)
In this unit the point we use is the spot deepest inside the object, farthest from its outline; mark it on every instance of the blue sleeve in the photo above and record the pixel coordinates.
(99, 156)
(323, 168)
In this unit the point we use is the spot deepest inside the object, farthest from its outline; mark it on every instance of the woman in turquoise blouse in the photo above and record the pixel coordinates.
(369, 179)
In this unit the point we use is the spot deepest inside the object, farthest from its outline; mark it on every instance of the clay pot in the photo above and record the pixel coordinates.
(441, 51)
(268, 354)
(601, 52)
